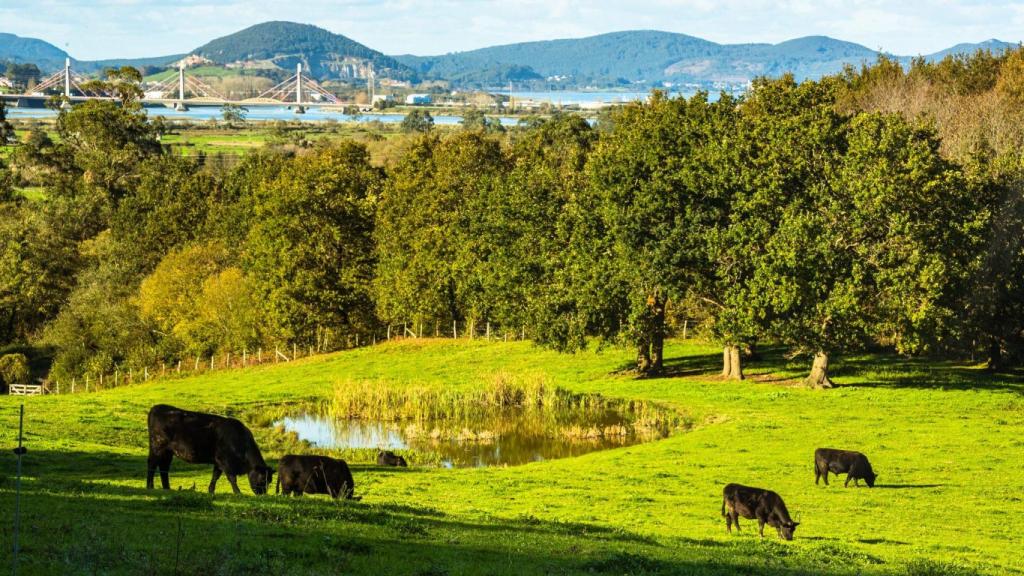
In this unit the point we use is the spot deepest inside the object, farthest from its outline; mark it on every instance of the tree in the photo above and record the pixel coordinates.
(309, 254)
(166, 208)
(233, 114)
(427, 257)
(869, 248)
(14, 369)
(6, 130)
(23, 75)
(417, 121)
(123, 84)
(476, 119)
(653, 214)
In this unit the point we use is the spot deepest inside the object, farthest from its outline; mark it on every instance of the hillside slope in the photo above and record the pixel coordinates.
(285, 44)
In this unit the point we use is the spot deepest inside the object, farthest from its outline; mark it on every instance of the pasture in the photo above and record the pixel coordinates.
(946, 440)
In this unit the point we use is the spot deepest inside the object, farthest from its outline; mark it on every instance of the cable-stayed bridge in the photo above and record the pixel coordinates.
(180, 91)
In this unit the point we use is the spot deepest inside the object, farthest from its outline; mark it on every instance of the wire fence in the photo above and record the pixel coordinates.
(192, 365)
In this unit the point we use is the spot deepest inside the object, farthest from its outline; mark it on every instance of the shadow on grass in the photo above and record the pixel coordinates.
(193, 533)
(907, 486)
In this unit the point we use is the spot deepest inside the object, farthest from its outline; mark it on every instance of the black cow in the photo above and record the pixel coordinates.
(765, 505)
(204, 439)
(854, 464)
(300, 475)
(389, 458)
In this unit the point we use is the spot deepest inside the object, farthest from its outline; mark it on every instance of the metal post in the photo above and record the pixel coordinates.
(20, 451)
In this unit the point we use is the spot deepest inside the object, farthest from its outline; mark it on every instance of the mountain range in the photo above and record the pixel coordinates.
(640, 58)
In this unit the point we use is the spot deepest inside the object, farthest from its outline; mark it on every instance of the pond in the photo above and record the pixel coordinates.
(499, 438)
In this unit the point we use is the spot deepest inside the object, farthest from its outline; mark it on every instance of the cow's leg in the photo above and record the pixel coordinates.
(847, 483)
(760, 527)
(736, 520)
(233, 480)
(213, 480)
(817, 475)
(856, 482)
(165, 470)
(825, 475)
(728, 522)
(151, 465)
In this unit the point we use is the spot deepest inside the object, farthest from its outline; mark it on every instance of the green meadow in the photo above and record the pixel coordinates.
(946, 440)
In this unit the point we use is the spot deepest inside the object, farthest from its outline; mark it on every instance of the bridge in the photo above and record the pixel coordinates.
(181, 91)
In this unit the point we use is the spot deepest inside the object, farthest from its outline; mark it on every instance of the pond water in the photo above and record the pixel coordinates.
(505, 438)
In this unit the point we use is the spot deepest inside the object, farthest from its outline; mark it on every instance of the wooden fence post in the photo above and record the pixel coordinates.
(86, 383)
(117, 377)
(179, 365)
(101, 380)
(72, 385)
(145, 373)
(259, 355)
(455, 329)
(686, 325)
(295, 351)
(488, 330)
(196, 368)
(211, 361)
(389, 331)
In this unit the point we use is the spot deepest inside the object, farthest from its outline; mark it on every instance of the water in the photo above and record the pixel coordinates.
(504, 439)
(263, 114)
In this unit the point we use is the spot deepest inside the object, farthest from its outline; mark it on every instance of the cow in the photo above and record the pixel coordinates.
(300, 475)
(765, 505)
(854, 464)
(389, 458)
(204, 439)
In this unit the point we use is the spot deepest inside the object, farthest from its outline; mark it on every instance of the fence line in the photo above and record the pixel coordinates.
(470, 330)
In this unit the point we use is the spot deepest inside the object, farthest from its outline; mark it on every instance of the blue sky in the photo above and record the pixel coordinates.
(96, 29)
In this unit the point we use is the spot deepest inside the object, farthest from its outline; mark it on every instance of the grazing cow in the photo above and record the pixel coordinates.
(854, 464)
(300, 475)
(765, 505)
(389, 458)
(204, 439)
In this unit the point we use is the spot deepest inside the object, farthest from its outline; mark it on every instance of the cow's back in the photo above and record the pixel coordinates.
(191, 436)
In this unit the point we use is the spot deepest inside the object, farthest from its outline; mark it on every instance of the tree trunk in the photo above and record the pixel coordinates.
(732, 365)
(995, 355)
(643, 356)
(819, 372)
(658, 337)
(736, 365)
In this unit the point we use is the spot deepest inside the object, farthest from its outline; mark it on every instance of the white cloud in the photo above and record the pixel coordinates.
(94, 29)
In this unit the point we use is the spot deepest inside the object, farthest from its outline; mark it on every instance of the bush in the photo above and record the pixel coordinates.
(14, 369)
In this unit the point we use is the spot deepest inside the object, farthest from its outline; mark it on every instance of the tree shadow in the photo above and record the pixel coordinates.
(892, 371)
(907, 486)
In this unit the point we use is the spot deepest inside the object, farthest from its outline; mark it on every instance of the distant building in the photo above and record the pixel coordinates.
(418, 99)
(385, 98)
(5, 82)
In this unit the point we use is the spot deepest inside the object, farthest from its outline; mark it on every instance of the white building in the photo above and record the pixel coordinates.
(418, 99)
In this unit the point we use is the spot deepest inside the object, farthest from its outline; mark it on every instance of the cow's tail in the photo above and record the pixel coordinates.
(723, 506)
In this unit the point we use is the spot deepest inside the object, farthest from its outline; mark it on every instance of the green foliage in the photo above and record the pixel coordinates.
(14, 369)
(429, 258)
(233, 113)
(476, 119)
(417, 121)
(309, 254)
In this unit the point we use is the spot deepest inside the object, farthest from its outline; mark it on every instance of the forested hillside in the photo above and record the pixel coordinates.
(285, 44)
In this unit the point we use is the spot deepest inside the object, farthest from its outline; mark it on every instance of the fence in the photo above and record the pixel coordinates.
(194, 365)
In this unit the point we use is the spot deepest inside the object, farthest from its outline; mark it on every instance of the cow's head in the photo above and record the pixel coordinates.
(870, 479)
(786, 529)
(259, 479)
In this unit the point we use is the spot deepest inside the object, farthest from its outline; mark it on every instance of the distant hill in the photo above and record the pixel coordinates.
(642, 58)
(284, 44)
(31, 50)
(650, 58)
(993, 45)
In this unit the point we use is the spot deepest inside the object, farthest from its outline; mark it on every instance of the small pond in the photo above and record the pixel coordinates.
(496, 438)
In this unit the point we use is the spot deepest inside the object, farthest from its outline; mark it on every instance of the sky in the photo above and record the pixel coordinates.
(100, 29)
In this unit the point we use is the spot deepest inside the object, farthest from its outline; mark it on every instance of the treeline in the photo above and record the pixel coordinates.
(829, 216)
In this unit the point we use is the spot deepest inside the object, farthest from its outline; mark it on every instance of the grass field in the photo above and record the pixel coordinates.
(946, 440)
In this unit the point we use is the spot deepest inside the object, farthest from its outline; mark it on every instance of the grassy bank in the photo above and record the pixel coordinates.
(947, 442)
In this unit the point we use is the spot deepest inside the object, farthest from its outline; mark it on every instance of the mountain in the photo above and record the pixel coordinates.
(31, 50)
(650, 58)
(284, 44)
(994, 46)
